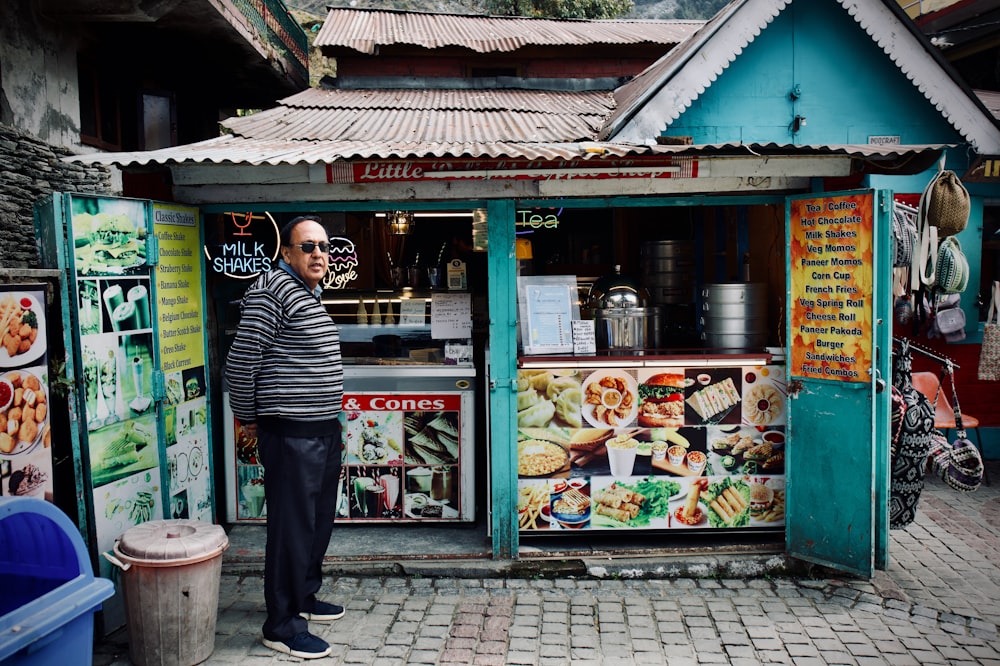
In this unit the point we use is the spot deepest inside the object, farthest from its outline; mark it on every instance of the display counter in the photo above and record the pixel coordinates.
(408, 414)
(654, 442)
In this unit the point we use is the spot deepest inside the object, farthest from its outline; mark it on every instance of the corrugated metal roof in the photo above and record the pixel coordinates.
(991, 100)
(429, 116)
(236, 150)
(365, 30)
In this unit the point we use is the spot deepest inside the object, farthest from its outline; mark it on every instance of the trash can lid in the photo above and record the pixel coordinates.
(172, 541)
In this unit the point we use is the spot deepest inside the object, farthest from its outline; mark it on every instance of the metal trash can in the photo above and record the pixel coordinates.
(171, 571)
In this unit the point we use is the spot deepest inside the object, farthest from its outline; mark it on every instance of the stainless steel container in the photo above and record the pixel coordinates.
(734, 315)
(668, 270)
(624, 320)
(630, 330)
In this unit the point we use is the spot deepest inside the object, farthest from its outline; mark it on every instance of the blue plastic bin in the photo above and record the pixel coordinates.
(49, 592)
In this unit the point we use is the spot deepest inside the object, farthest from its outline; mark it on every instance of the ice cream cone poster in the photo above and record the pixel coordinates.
(831, 287)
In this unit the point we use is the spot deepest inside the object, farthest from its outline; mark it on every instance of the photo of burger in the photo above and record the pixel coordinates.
(108, 243)
(661, 401)
(761, 499)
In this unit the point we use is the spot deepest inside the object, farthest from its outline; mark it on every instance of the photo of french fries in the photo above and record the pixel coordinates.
(532, 501)
(776, 514)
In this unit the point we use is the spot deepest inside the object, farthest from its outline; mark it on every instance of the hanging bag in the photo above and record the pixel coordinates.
(949, 318)
(908, 461)
(952, 267)
(989, 354)
(904, 234)
(943, 211)
(958, 463)
(948, 204)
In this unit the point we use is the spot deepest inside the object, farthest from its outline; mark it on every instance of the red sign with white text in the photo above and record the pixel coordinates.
(417, 170)
(405, 402)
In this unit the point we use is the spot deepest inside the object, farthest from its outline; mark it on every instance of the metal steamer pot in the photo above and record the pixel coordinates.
(734, 315)
(624, 320)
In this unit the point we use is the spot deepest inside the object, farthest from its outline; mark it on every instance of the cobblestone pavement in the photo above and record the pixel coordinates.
(937, 603)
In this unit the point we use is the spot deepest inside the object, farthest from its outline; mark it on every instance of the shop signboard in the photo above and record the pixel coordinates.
(406, 460)
(830, 308)
(655, 448)
(136, 333)
(25, 431)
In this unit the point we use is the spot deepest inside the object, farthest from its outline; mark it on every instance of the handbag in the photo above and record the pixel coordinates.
(913, 419)
(989, 353)
(958, 463)
(949, 319)
(952, 267)
(904, 234)
(947, 204)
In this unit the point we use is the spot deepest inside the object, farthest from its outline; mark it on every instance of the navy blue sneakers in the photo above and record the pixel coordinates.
(303, 645)
(324, 612)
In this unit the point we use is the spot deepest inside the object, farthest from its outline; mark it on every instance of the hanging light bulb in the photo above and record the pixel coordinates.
(399, 222)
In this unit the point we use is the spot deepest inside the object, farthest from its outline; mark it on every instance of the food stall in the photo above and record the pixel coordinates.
(409, 377)
(635, 414)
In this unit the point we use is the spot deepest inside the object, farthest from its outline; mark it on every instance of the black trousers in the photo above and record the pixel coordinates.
(301, 480)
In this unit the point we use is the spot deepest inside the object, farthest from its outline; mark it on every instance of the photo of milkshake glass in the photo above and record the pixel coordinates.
(374, 496)
(113, 297)
(390, 483)
(125, 318)
(621, 455)
(442, 483)
(139, 297)
(253, 493)
(360, 484)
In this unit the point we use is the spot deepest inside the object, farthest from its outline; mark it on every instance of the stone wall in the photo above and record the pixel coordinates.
(29, 170)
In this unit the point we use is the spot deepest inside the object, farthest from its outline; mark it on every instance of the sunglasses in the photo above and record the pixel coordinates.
(309, 246)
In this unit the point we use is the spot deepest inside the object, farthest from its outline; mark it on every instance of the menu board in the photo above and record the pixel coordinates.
(25, 434)
(547, 306)
(831, 287)
(651, 448)
(179, 314)
(451, 316)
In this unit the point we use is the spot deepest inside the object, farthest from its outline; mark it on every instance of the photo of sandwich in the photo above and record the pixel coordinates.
(661, 401)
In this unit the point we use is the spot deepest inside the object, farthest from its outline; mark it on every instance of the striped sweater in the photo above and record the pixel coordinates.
(284, 367)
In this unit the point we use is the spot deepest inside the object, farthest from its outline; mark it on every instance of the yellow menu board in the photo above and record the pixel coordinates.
(178, 287)
(831, 287)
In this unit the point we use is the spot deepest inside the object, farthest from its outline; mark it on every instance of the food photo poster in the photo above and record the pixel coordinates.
(651, 448)
(25, 430)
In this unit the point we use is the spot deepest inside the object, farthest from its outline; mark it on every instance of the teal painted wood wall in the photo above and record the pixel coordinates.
(850, 89)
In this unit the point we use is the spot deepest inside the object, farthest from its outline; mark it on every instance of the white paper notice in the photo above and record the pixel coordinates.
(550, 317)
(451, 316)
(584, 339)
(412, 312)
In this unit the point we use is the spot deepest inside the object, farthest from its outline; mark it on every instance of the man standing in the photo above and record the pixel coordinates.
(286, 386)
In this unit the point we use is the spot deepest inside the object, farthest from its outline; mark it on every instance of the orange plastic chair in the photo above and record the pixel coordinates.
(944, 414)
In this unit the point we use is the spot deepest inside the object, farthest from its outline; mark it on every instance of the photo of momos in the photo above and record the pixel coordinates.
(548, 397)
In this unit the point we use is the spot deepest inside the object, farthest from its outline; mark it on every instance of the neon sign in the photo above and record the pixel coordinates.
(527, 218)
(343, 262)
(248, 248)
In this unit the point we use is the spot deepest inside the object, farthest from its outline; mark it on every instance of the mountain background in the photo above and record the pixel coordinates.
(644, 9)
